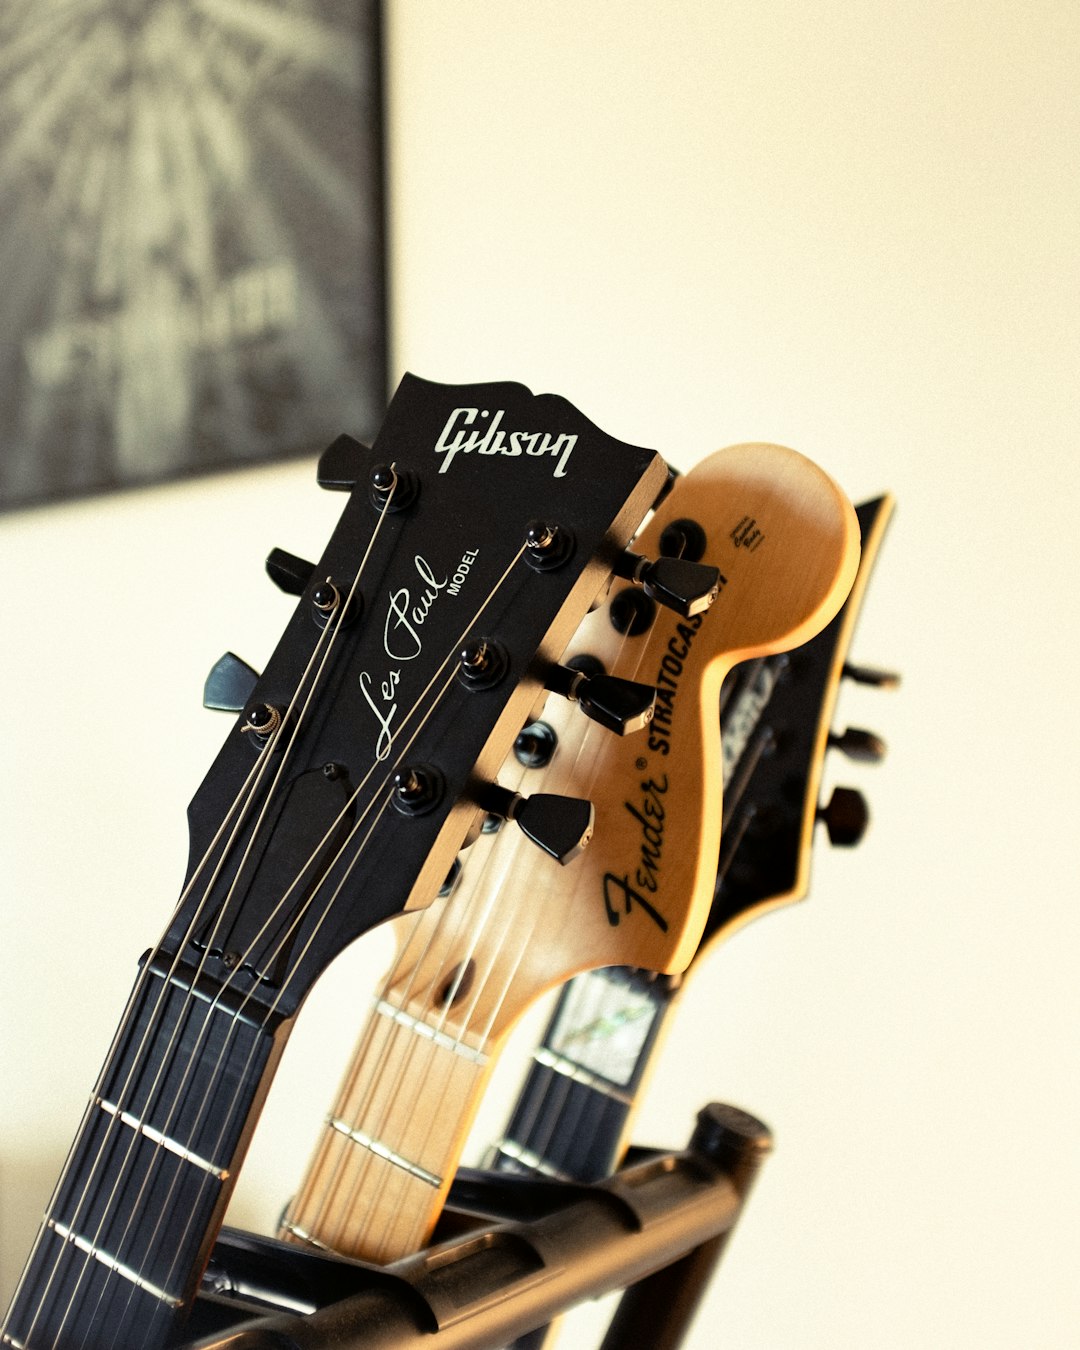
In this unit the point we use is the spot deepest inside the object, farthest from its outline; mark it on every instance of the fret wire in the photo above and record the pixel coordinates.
(303, 1235)
(380, 1150)
(454, 912)
(162, 1140)
(442, 1039)
(580, 1075)
(519, 1153)
(111, 1263)
(433, 704)
(328, 635)
(264, 760)
(419, 1079)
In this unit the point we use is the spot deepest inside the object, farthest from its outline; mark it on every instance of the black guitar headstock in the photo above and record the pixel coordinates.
(478, 530)
(776, 720)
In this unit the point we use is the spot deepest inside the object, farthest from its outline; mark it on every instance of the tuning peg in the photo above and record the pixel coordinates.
(229, 685)
(288, 572)
(846, 816)
(866, 746)
(620, 705)
(535, 745)
(561, 826)
(689, 588)
(880, 679)
(341, 465)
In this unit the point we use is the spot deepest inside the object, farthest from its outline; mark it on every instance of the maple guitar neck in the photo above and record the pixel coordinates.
(783, 539)
(573, 1115)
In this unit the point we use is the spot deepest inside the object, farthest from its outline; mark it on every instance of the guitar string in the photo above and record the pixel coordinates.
(563, 1081)
(613, 1002)
(453, 911)
(303, 911)
(330, 903)
(328, 635)
(132, 999)
(505, 844)
(564, 775)
(250, 785)
(567, 776)
(243, 1076)
(443, 974)
(482, 896)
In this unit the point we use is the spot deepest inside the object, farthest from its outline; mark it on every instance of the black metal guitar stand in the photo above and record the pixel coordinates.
(655, 1229)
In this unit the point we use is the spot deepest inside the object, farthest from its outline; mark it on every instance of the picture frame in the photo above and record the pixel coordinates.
(191, 235)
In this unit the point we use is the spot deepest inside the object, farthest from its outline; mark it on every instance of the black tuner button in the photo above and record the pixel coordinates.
(866, 746)
(561, 826)
(229, 685)
(341, 465)
(535, 746)
(846, 816)
(547, 545)
(391, 489)
(620, 705)
(879, 679)
(417, 789)
(482, 663)
(688, 588)
(288, 572)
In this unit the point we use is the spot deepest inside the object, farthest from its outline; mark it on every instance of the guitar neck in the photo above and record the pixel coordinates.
(392, 1141)
(573, 1113)
(143, 1194)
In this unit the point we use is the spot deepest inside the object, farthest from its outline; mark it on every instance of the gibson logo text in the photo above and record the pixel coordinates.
(488, 438)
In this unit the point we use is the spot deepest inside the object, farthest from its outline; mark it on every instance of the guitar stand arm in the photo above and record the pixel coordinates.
(498, 1281)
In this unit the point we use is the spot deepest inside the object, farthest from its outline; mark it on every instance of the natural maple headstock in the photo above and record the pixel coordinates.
(348, 782)
(785, 540)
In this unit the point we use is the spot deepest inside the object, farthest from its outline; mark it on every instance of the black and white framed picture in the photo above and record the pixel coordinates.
(191, 237)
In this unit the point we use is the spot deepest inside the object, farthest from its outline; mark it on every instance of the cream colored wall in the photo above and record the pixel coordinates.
(850, 229)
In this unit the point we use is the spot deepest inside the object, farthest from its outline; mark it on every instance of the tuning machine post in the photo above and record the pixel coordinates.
(867, 747)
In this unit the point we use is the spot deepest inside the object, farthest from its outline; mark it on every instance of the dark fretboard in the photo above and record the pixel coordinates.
(572, 1113)
(133, 1216)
